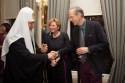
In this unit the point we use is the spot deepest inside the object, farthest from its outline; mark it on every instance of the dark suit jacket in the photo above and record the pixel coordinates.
(95, 39)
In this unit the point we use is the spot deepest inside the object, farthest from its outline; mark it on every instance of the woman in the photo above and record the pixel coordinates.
(4, 28)
(59, 42)
(22, 65)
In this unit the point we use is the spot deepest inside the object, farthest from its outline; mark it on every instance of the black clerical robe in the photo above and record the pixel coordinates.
(23, 66)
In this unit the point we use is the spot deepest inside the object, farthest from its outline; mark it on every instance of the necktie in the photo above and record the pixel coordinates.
(82, 43)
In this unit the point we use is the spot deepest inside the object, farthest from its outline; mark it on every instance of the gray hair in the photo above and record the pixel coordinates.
(78, 10)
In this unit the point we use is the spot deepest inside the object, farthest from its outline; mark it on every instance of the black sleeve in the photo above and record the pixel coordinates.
(102, 42)
(67, 46)
(44, 37)
(23, 56)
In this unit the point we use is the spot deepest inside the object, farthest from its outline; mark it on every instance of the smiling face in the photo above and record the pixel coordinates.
(54, 25)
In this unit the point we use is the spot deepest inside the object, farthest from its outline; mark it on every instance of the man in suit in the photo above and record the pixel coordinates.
(89, 46)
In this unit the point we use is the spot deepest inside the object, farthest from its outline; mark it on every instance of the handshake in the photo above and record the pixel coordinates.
(53, 56)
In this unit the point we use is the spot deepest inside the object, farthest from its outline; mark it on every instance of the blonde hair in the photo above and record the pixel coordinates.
(56, 21)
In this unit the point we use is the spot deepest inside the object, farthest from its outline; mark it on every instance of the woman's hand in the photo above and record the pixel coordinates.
(44, 48)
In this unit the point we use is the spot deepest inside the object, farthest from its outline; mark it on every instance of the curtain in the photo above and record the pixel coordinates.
(114, 18)
(29, 3)
(0, 11)
(38, 23)
(59, 9)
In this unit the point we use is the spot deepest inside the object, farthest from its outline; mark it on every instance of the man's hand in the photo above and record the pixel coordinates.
(82, 50)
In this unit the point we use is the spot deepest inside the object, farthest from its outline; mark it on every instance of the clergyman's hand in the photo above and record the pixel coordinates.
(44, 48)
(52, 55)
